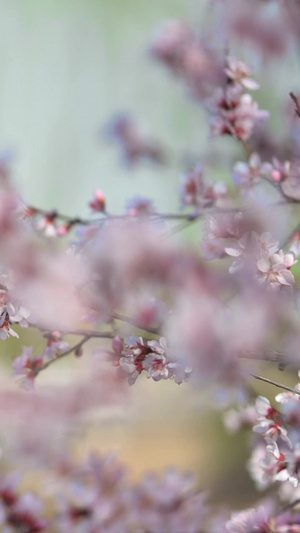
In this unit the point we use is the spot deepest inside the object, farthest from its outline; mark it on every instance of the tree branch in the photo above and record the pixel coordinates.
(275, 383)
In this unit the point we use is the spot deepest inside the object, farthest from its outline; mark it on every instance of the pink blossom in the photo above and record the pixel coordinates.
(269, 422)
(217, 231)
(250, 520)
(98, 203)
(47, 224)
(140, 206)
(251, 248)
(274, 465)
(180, 49)
(239, 73)
(268, 36)
(234, 113)
(25, 367)
(135, 146)
(250, 173)
(132, 358)
(280, 171)
(198, 192)
(275, 275)
(288, 259)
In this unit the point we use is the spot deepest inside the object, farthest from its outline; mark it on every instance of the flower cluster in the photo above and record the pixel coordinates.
(26, 367)
(19, 512)
(234, 112)
(134, 145)
(260, 255)
(135, 355)
(186, 55)
(199, 193)
(96, 496)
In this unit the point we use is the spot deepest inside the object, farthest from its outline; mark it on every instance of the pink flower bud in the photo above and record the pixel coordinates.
(117, 345)
(276, 176)
(98, 204)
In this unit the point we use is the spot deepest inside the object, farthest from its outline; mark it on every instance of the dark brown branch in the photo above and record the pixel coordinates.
(296, 102)
(63, 354)
(190, 217)
(87, 335)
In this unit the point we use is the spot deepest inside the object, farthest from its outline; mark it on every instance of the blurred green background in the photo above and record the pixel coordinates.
(65, 67)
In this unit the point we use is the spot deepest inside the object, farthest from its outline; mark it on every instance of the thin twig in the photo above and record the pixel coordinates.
(191, 217)
(81, 332)
(63, 354)
(180, 227)
(122, 318)
(275, 383)
(289, 506)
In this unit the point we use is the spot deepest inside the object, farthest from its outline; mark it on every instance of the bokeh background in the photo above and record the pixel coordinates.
(66, 66)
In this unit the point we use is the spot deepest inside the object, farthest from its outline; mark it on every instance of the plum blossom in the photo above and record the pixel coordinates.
(47, 224)
(279, 172)
(238, 72)
(126, 276)
(293, 459)
(25, 367)
(5, 329)
(98, 497)
(55, 349)
(153, 357)
(273, 465)
(132, 357)
(290, 409)
(156, 363)
(290, 186)
(269, 36)
(170, 504)
(170, 42)
(251, 520)
(25, 513)
(19, 511)
(248, 174)
(10, 313)
(179, 48)
(288, 259)
(264, 519)
(134, 145)
(260, 467)
(251, 248)
(275, 274)
(217, 231)
(98, 203)
(198, 192)
(269, 422)
(234, 113)
(140, 206)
